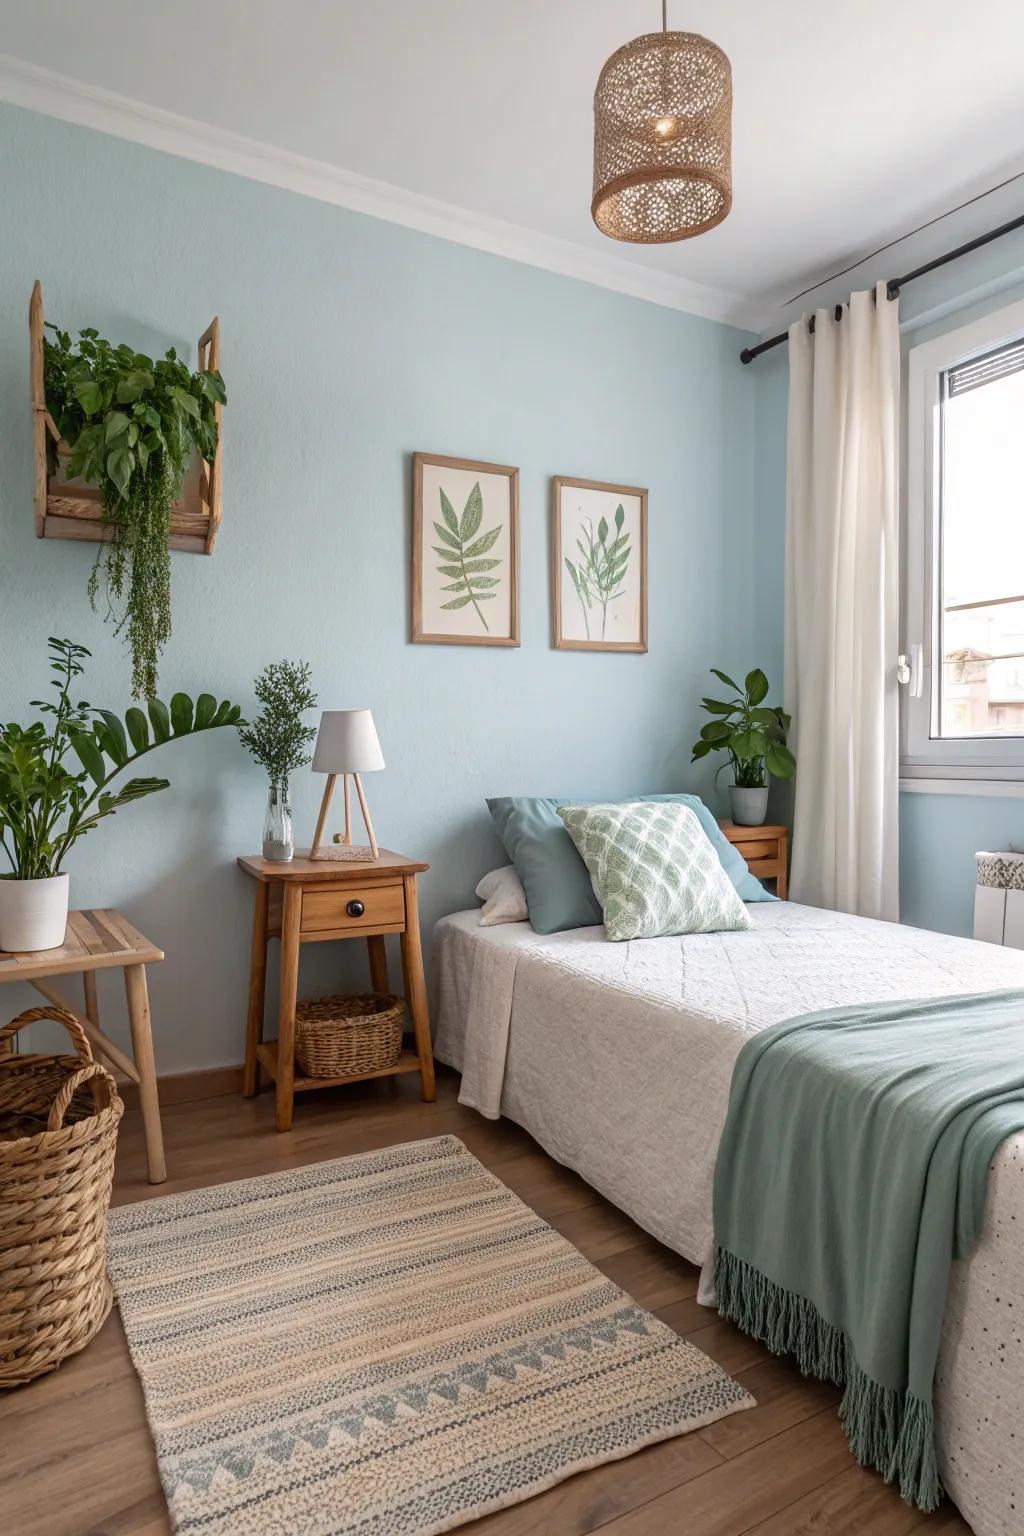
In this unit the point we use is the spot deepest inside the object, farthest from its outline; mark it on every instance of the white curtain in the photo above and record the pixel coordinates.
(842, 594)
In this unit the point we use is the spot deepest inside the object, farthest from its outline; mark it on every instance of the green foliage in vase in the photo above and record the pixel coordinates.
(463, 550)
(754, 735)
(602, 568)
(278, 738)
(132, 425)
(45, 805)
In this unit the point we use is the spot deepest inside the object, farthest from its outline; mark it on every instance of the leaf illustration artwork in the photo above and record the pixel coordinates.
(463, 550)
(602, 567)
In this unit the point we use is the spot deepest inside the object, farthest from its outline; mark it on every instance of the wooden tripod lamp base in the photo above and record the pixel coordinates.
(343, 848)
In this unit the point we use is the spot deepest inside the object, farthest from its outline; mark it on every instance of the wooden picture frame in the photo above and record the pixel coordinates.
(583, 624)
(445, 491)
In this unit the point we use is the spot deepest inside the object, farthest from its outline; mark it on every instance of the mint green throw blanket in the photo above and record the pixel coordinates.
(851, 1171)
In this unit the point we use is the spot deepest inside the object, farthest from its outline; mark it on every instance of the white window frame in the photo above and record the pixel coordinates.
(924, 755)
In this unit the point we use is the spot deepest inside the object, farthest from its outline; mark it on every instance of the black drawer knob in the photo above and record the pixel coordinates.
(355, 909)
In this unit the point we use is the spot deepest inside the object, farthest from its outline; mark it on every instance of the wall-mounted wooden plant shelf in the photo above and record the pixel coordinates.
(71, 510)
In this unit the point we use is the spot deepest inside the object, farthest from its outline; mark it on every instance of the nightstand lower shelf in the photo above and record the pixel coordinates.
(266, 1051)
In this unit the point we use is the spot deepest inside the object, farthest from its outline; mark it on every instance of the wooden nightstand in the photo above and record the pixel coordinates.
(306, 902)
(766, 850)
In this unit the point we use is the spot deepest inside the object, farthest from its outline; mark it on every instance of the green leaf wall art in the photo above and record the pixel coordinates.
(600, 566)
(465, 541)
(601, 572)
(464, 555)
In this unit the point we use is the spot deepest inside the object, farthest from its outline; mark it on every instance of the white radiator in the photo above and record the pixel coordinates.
(999, 899)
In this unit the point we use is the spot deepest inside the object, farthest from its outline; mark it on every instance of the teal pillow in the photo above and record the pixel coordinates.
(559, 892)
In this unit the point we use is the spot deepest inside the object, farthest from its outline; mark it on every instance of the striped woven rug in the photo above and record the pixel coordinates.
(384, 1345)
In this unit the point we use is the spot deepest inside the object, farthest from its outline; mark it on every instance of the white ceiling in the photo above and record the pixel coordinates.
(852, 123)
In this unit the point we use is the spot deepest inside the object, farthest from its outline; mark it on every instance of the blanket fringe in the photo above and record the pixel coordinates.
(889, 1430)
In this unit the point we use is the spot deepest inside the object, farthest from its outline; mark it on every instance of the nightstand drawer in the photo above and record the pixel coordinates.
(761, 848)
(353, 907)
(766, 850)
(763, 869)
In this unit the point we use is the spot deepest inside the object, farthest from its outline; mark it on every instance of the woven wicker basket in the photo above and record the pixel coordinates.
(343, 1036)
(58, 1133)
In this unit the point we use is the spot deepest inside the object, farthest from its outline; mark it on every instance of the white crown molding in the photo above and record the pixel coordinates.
(56, 95)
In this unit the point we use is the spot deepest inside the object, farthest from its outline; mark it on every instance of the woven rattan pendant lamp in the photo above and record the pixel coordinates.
(663, 138)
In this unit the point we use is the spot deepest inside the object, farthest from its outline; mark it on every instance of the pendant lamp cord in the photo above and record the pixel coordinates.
(664, 15)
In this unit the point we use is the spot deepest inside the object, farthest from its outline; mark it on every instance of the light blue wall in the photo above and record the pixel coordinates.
(939, 833)
(348, 344)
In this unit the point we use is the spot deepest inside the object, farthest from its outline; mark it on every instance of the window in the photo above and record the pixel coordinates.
(963, 714)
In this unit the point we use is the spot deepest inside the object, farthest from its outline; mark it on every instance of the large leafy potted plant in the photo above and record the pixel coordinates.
(55, 778)
(132, 426)
(754, 736)
(278, 740)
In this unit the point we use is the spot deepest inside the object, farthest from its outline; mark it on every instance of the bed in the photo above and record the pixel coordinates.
(617, 1059)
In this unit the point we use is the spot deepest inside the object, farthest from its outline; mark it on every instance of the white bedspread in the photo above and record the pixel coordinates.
(617, 1058)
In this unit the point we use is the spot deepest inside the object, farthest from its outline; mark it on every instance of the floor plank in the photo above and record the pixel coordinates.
(728, 1500)
(857, 1503)
(784, 1398)
(76, 1457)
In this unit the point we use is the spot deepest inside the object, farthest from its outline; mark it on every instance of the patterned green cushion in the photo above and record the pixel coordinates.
(654, 870)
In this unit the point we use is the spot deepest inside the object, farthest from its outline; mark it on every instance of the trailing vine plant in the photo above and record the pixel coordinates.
(132, 426)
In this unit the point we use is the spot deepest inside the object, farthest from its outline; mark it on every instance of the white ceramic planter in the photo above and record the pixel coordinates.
(749, 806)
(33, 913)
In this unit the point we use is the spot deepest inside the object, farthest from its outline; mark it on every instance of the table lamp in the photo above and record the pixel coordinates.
(346, 743)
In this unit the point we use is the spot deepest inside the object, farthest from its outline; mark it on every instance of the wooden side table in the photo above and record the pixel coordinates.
(306, 902)
(766, 850)
(96, 941)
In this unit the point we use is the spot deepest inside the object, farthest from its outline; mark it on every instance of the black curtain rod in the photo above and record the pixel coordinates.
(894, 284)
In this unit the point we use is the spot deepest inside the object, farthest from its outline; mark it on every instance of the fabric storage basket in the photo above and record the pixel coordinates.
(999, 899)
(345, 1036)
(58, 1133)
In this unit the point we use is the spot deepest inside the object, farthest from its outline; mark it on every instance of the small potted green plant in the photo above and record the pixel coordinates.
(754, 736)
(47, 805)
(278, 740)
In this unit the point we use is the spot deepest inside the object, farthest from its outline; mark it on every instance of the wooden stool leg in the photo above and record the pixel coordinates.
(92, 1002)
(142, 1049)
(378, 962)
(291, 918)
(257, 990)
(416, 990)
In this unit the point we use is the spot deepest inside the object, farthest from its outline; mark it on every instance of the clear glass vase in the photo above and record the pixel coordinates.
(278, 838)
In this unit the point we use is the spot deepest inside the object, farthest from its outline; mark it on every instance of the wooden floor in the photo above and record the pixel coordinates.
(76, 1458)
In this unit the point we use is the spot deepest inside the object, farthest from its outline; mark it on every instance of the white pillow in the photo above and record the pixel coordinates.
(503, 897)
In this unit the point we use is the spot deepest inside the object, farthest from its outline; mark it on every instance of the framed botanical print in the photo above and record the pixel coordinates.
(599, 566)
(465, 552)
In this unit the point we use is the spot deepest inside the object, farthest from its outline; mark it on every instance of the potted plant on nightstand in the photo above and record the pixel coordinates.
(278, 740)
(754, 736)
(46, 806)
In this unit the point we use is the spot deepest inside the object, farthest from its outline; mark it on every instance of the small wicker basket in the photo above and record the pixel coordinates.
(58, 1134)
(346, 1036)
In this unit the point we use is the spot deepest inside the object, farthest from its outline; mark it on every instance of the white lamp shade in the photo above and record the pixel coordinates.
(347, 742)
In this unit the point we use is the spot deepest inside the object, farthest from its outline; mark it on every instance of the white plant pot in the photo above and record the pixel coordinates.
(33, 913)
(749, 806)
